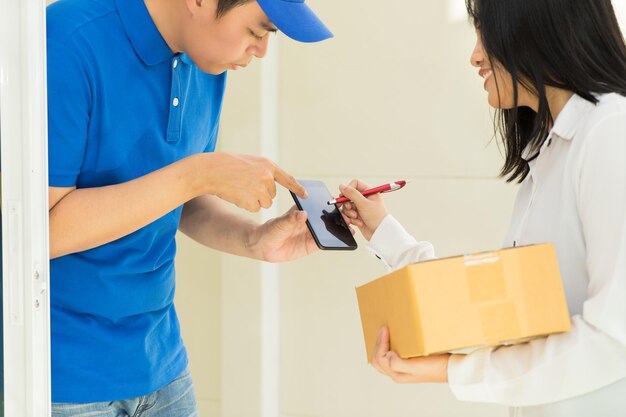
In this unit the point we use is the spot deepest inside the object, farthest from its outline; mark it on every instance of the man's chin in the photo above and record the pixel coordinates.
(214, 69)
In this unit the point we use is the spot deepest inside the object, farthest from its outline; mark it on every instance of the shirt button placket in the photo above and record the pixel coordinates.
(173, 126)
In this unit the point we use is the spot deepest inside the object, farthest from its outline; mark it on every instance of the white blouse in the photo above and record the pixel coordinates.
(575, 197)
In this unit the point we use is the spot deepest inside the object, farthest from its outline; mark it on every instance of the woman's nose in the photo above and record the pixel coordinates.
(477, 57)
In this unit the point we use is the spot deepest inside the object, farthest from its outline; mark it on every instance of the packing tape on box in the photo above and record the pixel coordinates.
(481, 258)
(487, 289)
(485, 277)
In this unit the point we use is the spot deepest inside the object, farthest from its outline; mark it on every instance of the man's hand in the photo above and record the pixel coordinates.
(403, 371)
(284, 238)
(247, 181)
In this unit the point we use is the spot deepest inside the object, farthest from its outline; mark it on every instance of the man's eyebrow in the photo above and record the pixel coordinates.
(268, 26)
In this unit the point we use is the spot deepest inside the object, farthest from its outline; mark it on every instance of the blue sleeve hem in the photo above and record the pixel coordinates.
(61, 180)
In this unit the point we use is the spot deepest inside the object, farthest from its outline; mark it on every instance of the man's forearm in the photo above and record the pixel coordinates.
(89, 217)
(207, 220)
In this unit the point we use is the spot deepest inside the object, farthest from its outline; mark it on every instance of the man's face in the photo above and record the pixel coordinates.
(229, 42)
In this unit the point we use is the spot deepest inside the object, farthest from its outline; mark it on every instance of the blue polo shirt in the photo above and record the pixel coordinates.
(120, 105)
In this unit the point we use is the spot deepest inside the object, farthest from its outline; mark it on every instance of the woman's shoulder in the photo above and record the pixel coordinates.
(601, 134)
(608, 115)
(612, 104)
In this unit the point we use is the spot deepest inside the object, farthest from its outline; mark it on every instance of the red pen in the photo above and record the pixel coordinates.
(386, 188)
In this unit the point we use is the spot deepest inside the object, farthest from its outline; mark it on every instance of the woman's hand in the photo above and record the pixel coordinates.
(366, 213)
(403, 371)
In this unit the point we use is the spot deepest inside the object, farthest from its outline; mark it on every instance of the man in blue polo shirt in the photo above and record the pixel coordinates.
(135, 92)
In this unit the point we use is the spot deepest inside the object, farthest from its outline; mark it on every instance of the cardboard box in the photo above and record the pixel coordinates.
(488, 298)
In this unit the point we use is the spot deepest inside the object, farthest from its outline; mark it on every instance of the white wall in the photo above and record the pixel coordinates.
(392, 96)
(620, 10)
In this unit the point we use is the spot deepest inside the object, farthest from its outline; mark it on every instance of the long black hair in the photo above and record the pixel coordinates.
(574, 45)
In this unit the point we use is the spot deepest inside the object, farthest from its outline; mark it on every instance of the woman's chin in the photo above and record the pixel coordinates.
(499, 104)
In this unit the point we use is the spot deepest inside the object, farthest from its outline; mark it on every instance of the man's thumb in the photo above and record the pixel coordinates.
(300, 216)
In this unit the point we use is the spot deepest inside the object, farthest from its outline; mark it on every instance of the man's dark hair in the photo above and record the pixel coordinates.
(573, 45)
(223, 6)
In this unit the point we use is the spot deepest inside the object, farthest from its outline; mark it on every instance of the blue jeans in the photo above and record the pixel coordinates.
(176, 399)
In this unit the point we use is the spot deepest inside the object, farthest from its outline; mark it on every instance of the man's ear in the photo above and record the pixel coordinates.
(193, 5)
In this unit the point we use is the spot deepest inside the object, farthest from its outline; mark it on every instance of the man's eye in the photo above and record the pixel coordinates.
(257, 37)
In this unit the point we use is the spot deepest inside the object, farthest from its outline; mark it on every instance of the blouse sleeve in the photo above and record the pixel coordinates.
(393, 245)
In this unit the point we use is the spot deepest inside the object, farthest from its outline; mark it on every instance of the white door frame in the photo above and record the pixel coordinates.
(23, 124)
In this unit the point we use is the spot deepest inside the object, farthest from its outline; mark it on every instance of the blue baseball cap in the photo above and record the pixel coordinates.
(295, 19)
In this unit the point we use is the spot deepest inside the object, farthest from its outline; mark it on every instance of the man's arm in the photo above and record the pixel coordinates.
(85, 218)
(207, 220)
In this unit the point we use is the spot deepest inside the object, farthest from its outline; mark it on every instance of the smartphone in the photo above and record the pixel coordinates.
(324, 220)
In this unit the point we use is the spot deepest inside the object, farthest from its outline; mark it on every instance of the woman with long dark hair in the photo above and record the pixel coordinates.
(556, 72)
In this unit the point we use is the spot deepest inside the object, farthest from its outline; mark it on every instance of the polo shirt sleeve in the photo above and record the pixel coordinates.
(69, 104)
(210, 147)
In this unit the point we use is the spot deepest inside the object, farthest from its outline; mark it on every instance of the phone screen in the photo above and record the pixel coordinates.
(324, 221)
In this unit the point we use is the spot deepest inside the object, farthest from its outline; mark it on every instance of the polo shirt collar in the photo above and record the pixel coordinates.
(142, 32)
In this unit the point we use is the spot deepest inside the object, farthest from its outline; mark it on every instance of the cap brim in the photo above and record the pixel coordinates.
(296, 20)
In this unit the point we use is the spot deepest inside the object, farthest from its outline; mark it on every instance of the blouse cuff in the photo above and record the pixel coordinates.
(466, 379)
(390, 239)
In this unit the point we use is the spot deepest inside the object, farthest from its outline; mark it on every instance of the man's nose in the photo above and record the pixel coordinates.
(261, 47)
(258, 48)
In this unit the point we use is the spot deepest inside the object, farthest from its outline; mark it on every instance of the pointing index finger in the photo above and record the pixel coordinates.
(289, 182)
